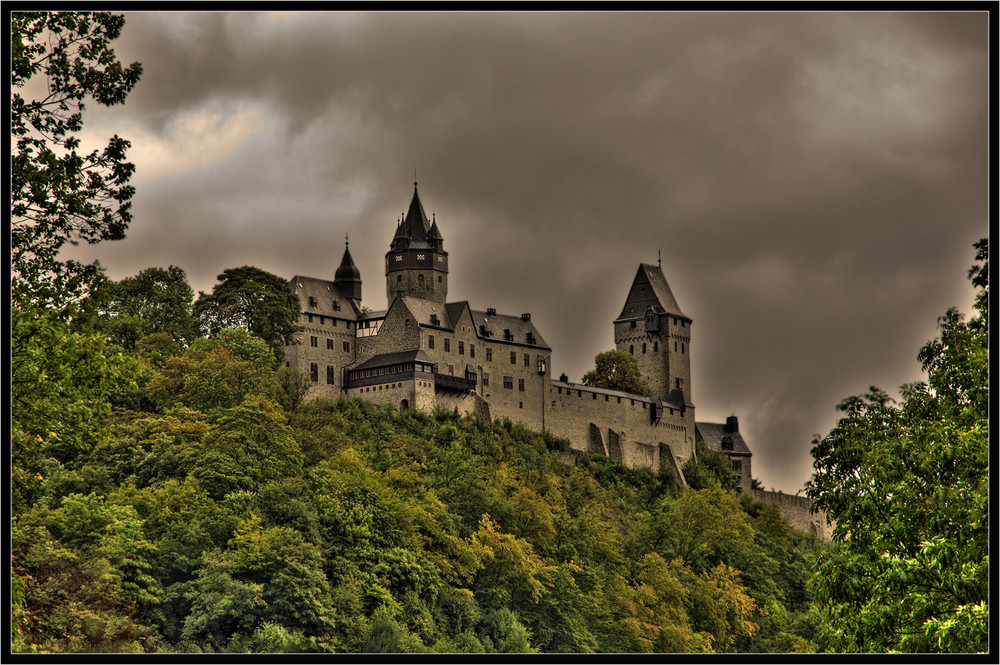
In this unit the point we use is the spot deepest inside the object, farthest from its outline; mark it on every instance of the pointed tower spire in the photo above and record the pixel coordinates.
(416, 264)
(348, 278)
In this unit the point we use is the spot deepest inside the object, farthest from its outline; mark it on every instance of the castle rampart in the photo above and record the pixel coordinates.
(797, 510)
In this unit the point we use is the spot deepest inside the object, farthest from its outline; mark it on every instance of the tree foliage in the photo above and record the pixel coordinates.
(616, 370)
(156, 300)
(256, 301)
(57, 194)
(907, 484)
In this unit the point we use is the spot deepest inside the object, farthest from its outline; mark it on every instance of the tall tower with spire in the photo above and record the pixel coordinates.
(416, 264)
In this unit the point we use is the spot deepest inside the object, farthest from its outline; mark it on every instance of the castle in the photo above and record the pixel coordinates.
(423, 351)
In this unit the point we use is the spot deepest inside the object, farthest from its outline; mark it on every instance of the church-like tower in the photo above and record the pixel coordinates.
(416, 264)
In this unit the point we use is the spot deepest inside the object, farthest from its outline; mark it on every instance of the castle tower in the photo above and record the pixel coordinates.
(348, 278)
(416, 264)
(653, 329)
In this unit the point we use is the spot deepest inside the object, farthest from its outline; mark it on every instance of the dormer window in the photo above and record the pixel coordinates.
(336, 306)
(435, 320)
(312, 302)
(507, 335)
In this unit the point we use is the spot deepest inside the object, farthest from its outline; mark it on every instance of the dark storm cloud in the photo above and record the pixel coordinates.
(814, 181)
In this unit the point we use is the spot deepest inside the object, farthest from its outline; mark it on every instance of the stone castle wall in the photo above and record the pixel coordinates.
(797, 510)
(626, 430)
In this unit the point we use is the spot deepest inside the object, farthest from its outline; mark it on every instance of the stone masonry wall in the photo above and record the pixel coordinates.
(581, 414)
(796, 509)
(334, 347)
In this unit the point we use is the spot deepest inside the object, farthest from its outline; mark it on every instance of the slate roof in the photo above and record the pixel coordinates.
(386, 359)
(497, 323)
(415, 225)
(347, 270)
(449, 314)
(422, 310)
(712, 433)
(325, 294)
(650, 288)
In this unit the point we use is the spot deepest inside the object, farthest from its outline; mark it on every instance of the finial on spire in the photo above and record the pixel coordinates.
(659, 259)
(347, 239)
(414, 180)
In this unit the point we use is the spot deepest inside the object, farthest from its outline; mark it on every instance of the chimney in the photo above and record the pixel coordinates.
(526, 317)
(491, 311)
(732, 424)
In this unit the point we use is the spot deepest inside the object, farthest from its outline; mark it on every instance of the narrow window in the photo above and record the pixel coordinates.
(527, 360)
(643, 347)
(420, 278)
(331, 375)
(347, 347)
(472, 350)
(656, 347)
(489, 355)
(486, 380)
(675, 345)
(682, 347)
(310, 318)
(430, 341)
(461, 348)
(447, 344)
(631, 349)
(508, 382)
(314, 372)
(513, 357)
(313, 341)
(520, 385)
(329, 344)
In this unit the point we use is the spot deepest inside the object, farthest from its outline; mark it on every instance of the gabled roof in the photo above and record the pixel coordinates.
(495, 324)
(423, 310)
(448, 316)
(324, 294)
(650, 289)
(713, 433)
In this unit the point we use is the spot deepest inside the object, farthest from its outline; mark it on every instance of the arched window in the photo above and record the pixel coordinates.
(643, 347)
(631, 349)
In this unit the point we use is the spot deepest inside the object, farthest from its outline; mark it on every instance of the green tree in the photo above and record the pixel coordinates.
(157, 300)
(908, 487)
(256, 301)
(249, 446)
(57, 194)
(216, 373)
(616, 370)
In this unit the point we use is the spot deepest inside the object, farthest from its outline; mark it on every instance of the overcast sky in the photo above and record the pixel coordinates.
(814, 181)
